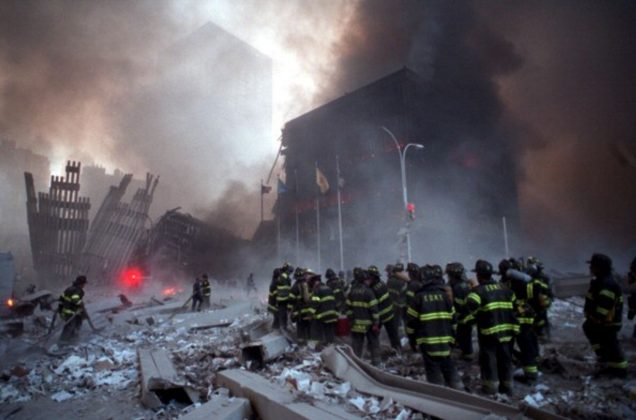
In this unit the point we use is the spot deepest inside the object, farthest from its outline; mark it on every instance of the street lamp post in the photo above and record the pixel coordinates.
(402, 153)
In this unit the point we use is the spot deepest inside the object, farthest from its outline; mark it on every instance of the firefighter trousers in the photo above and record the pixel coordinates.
(495, 362)
(303, 329)
(71, 328)
(440, 370)
(281, 315)
(604, 342)
(529, 351)
(465, 338)
(323, 332)
(373, 344)
(392, 331)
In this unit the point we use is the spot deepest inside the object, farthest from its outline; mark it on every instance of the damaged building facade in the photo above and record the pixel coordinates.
(461, 185)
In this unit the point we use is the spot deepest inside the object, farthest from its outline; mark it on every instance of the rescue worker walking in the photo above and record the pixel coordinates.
(362, 310)
(385, 307)
(465, 320)
(299, 304)
(492, 305)
(603, 317)
(433, 313)
(206, 291)
(397, 285)
(323, 312)
(197, 296)
(527, 338)
(71, 309)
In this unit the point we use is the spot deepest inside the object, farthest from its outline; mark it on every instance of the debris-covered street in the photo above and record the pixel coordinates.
(100, 377)
(325, 209)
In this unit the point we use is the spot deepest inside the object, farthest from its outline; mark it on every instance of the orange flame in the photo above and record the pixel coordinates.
(10, 302)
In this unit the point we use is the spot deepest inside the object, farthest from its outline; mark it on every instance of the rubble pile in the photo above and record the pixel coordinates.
(105, 365)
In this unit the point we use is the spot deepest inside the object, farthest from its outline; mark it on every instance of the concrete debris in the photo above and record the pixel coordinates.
(160, 383)
(103, 370)
(221, 408)
(267, 348)
(273, 403)
(218, 318)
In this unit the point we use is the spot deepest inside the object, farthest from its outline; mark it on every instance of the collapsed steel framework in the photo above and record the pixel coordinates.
(62, 244)
(58, 224)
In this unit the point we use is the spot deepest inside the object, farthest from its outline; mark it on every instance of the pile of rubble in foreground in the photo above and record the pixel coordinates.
(153, 360)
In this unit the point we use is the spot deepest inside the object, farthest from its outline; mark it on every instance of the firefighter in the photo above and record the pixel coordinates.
(413, 287)
(197, 296)
(362, 310)
(603, 316)
(397, 285)
(433, 313)
(542, 292)
(492, 305)
(337, 286)
(523, 288)
(281, 290)
(385, 307)
(465, 320)
(206, 291)
(299, 304)
(71, 309)
(631, 301)
(323, 311)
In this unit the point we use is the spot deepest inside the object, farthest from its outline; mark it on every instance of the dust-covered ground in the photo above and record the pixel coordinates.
(98, 377)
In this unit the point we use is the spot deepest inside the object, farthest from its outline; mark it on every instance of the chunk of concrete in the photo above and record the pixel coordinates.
(272, 402)
(217, 318)
(267, 348)
(160, 383)
(221, 408)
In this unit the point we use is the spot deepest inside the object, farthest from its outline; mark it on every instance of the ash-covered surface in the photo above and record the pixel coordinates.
(99, 378)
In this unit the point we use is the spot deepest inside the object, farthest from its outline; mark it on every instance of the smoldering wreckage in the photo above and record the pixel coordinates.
(149, 356)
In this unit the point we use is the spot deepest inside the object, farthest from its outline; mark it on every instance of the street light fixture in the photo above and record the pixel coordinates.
(402, 153)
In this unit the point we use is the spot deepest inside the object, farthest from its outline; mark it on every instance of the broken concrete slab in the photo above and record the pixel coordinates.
(256, 330)
(434, 400)
(221, 408)
(159, 380)
(256, 353)
(271, 402)
(217, 318)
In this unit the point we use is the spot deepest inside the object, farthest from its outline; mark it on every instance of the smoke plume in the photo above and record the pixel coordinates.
(560, 97)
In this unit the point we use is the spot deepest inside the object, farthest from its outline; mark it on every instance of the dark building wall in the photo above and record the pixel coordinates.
(461, 186)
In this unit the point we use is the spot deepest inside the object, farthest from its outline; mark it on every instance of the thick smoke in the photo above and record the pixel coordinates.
(128, 85)
(558, 97)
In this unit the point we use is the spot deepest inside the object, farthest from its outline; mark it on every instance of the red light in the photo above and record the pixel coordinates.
(131, 277)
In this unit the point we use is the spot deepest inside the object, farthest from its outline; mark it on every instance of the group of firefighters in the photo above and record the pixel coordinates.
(510, 314)
(437, 316)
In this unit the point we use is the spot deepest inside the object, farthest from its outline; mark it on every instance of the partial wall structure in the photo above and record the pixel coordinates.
(58, 224)
(116, 230)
